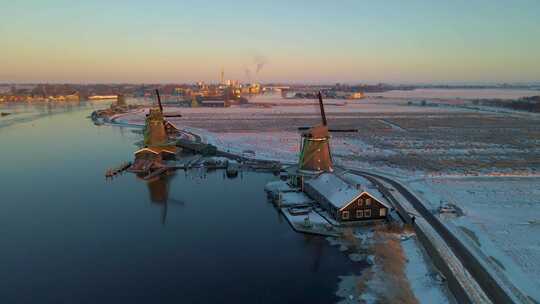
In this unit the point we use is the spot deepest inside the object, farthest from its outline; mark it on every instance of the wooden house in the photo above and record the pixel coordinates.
(345, 202)
(151, 158)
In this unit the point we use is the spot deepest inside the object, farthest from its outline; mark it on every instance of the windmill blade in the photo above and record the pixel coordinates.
(164, 214)
(177, 201)
(323, 115)
(343, 130)
(332, 130)
(159, 101)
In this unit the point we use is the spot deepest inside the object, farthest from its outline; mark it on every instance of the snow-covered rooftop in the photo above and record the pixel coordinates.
(334, 189)
(357, 181)
(294, 198)
(364, 184)
(277, 186)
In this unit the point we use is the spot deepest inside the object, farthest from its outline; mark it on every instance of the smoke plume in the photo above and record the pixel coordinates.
(248, 74)
(260, 61)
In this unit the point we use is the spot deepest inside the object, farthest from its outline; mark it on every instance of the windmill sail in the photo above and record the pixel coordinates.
(159, 101)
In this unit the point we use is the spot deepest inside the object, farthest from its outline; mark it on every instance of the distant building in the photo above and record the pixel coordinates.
(343, 201)
(214, 103)
(349, 95)
(121, 100)
(102, 97)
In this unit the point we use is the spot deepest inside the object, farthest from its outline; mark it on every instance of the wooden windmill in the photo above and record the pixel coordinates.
(315, 152)
(158, 145)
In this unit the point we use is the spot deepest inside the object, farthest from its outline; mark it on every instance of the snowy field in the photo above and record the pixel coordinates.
(501, 219)
(459, 93)
(392, 136)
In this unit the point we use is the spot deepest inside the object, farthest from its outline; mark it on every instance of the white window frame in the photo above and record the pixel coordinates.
(366, 213)
(359, 213)
(382, 212)
(345, 215)
(368, 202)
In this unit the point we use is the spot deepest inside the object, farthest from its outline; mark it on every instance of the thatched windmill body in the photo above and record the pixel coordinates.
(315, 153)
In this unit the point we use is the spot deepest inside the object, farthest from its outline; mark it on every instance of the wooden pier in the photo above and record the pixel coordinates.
(110, 173)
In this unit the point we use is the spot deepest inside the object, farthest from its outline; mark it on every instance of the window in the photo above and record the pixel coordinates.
(368, 202)
(367, 213)
(359, 202)
(359, 213)
(382, 212)
(345, 215)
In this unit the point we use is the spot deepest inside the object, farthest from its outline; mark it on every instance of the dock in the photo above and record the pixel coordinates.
(118, 170)
(310, 222)
(196, 147)
(155, 173)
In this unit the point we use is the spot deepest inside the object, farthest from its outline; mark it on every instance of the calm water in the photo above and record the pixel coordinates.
(70, 236)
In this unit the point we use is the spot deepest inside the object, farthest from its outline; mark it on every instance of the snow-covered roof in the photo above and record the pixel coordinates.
(376, 194)
(293, 170)
(364, 184)
(294, 198)
(334, 189)
(277, 186)
(157, 150)
(357, 180)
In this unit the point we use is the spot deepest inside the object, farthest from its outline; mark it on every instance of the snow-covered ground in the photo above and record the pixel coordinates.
(459, 93)
(399, 271)
(424, 280)
(501, 219)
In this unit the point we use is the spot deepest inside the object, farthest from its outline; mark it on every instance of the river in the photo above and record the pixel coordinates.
(70, 236)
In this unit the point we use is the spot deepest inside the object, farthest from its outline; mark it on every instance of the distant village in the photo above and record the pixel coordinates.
(225, 93)
(221, 94)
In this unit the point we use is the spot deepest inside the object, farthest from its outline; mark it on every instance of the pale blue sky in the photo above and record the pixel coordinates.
(311, 41)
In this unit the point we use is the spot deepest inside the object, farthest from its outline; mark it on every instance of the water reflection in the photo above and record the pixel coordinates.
(227, 244)
(158, 190)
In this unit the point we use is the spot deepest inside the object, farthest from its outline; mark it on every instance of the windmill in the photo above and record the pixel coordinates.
(158, 145)
(157, 129)
(315, 152)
